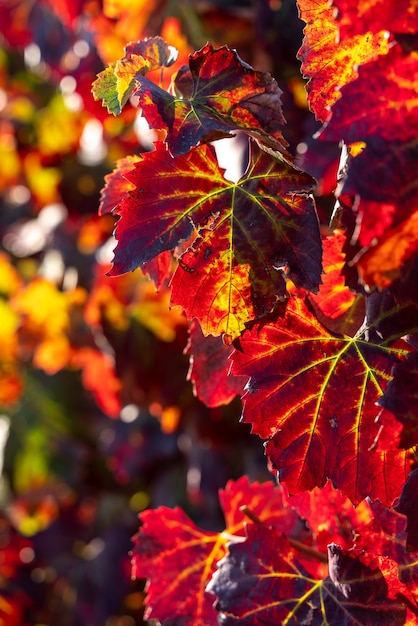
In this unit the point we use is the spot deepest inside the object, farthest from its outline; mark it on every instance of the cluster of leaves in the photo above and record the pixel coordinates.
(323, 322)
(316, 318)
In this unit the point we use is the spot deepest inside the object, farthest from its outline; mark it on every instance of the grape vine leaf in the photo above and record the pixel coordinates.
(179, 558)
(227, 95)
(260, 581)
(328, 63)
(249, 235)
(387, 84)
(356, 18)
(313, 396)
(209, 366)
(115, 84)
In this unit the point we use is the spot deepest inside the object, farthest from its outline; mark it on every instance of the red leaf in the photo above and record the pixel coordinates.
(180, 562)
(209, 366)
(327, 62)
(234, 270)
(381, 101)
(356, 18)
(227, 94)
(313, 396)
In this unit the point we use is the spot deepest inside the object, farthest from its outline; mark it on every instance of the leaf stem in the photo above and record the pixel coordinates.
(297, 545)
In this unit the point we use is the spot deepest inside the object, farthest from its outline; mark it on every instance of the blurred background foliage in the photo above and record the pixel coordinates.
(97, 418)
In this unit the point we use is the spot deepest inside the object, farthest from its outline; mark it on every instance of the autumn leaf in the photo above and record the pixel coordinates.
(115, 84)
(356, 18)
(388, 84)
(179, 563)
(312, 395)
(226, 95)
(209, 366)
(248, 234)
(327, 62)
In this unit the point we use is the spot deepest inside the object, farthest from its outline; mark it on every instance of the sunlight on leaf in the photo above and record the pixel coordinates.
(248, 234)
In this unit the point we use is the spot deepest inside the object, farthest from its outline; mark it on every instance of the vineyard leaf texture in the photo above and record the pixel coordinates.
(249, 234)
(328, 63)
(227, 94)
(313, 396)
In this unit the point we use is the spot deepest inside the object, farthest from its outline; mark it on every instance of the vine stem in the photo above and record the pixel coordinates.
(297, 545)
